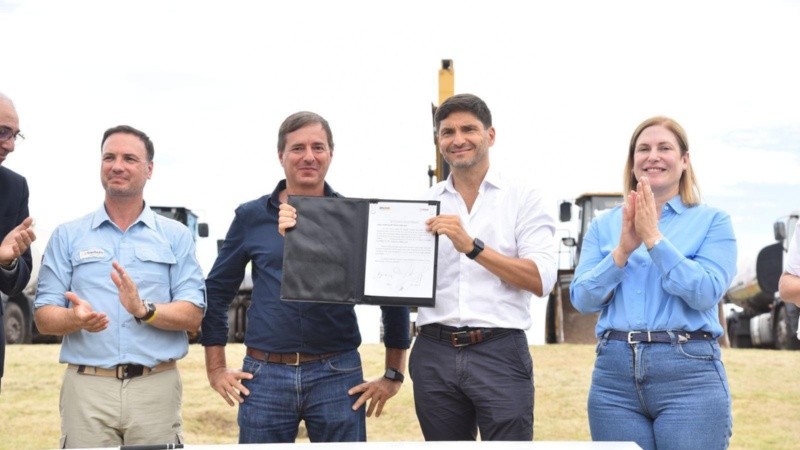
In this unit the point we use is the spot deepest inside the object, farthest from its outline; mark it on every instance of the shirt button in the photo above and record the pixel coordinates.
(639, 292)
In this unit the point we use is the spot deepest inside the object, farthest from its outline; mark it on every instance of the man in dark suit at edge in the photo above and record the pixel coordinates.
(15, 225)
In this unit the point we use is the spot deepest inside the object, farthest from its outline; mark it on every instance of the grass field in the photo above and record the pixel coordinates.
(764, 383)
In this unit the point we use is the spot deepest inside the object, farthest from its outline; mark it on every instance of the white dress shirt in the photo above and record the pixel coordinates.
(509, 217)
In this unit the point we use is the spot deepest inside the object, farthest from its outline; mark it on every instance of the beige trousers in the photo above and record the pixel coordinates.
(99, 411)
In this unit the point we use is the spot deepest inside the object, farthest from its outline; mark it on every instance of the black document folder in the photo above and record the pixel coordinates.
(325, 254)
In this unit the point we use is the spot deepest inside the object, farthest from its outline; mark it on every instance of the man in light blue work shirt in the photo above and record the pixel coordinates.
(123, 286)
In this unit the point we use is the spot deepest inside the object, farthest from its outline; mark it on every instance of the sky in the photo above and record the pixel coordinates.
(567, 83)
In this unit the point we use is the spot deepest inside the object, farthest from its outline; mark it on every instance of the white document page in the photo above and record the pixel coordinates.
(401, 254)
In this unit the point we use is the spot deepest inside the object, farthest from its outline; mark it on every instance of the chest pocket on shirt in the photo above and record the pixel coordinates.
(90, 267)
(154, 259)
(151, 270)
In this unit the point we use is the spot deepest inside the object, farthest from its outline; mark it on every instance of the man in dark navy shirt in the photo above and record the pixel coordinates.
(302, 360)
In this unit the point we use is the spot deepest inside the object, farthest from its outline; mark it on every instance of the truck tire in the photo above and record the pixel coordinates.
(39, 338)
(739, 338)
(14, 323)
(550, 320)
(786, 331)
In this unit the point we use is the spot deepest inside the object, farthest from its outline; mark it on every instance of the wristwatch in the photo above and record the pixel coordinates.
(656, 242)
(394, 375)
(476, 250)
(11, 266)
(151, 311)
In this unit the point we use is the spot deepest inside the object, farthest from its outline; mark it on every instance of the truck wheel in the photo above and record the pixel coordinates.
(14, 324)
(786, 331)
(739, 338)
(550, 321)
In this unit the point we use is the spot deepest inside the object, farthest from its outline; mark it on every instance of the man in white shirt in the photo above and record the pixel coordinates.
(471, 364)
(789, 286)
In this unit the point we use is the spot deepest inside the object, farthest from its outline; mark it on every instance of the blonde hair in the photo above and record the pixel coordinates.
(688, 188)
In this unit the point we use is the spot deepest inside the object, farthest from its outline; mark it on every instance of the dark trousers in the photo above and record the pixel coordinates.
(486, 386)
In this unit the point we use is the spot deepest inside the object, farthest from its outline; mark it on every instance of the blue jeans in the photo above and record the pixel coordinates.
(315, 392)
(661, 395)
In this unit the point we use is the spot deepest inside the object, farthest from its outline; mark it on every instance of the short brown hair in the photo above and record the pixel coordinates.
(299, 120)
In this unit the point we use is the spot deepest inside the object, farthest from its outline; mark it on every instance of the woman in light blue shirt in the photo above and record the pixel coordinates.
(655, 268)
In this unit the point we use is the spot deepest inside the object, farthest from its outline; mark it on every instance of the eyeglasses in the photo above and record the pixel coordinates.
(7, 133)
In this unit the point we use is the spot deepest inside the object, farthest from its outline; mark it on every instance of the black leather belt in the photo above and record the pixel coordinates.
(460, 337)
(290, 359)
(635, 337)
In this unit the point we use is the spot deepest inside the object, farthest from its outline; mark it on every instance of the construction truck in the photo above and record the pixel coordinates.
(18, 317)
(18, 310)
(563, 323)
(760, 317)
(184, 216)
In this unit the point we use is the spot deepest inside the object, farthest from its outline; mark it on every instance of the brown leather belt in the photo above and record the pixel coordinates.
(461, 337)
(290, 359)
(123, 371)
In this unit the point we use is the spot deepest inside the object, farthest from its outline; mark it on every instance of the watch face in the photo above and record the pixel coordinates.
(477, 245)
(393, 375)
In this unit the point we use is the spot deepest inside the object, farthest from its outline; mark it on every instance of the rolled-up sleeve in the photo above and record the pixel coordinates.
(536, 239)
(186, 276)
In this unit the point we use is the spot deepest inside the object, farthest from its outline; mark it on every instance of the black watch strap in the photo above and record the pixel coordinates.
(477, 248)
(394, 375)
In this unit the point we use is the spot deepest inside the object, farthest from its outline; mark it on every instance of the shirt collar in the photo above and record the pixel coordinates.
(275, 201)
(493, 178)
(147, 216)
(676, 204)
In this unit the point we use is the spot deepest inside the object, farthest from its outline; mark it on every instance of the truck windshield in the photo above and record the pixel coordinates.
(596, 205)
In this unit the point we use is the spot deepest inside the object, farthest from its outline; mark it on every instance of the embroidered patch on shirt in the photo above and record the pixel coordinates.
(94, 253)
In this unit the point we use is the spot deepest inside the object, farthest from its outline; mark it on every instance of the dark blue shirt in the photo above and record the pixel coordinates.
(274, 325)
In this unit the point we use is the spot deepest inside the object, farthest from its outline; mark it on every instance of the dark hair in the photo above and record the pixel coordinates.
(463, 102)
(299, 120)
(148, 144)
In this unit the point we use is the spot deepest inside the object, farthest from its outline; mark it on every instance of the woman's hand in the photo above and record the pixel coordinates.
(628, 240)
(647, 214)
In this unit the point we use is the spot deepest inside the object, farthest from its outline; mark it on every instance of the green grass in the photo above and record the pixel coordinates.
(764, 384)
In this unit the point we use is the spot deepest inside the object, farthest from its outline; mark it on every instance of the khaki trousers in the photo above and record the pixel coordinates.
(101, 411)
